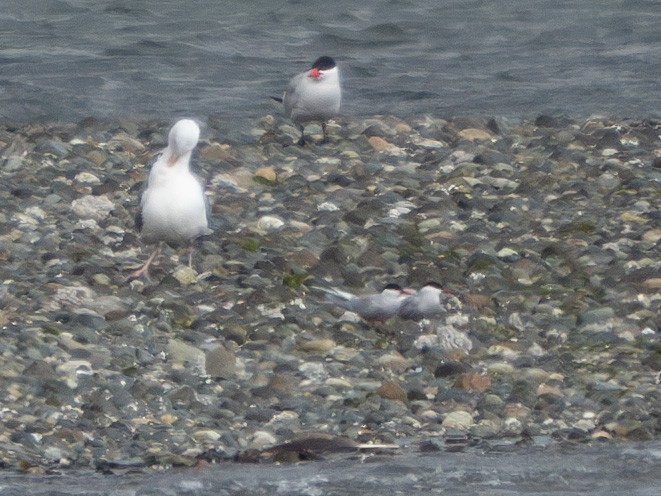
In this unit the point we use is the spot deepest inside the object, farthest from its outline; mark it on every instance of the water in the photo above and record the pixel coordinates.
(603, 470)
(69, 59)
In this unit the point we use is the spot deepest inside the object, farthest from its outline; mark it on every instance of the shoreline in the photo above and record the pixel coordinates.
(548, 228)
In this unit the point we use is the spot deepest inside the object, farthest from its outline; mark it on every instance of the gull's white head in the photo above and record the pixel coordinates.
(183, 137)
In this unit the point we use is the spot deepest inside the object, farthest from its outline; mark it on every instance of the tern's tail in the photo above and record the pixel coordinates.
(337, 297)
(277, 98)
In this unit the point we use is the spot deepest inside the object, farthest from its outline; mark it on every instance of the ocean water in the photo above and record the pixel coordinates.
(63, 60)
(602, 470)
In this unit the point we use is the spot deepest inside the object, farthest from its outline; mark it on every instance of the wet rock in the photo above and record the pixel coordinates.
(472, 381)
(459, 420)
(392, 391)
(220, 362)
(92, 207)
(474, 134)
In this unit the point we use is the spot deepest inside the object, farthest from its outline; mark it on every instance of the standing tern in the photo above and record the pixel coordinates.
(373, 307)
(430, 301)
(173, 208)
(313, 96)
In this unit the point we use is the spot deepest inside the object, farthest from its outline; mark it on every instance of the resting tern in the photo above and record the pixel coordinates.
(430, 301)
(373, 307)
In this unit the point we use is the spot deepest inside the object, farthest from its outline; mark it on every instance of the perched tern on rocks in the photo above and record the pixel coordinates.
(313, 96)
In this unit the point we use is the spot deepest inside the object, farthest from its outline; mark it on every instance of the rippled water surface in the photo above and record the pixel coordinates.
(68, 59)
(603, 470)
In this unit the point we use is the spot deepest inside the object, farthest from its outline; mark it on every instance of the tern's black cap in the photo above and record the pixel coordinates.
(434, 284)
(323, 63)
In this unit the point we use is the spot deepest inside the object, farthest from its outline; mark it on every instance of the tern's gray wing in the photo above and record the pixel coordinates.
(412, 308)
(427, 305)
(292, 93)
(378, 307)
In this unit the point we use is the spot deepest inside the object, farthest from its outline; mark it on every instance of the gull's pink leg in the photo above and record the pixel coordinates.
(144, 270)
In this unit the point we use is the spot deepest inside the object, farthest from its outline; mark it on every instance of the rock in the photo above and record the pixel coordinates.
(473, 382)
(262, 439)
(185, 354)
(596, 315)
(185, 275)
(473, 134)
(53, 147)
(123, 141)
(516, 411)
(382, 146)
(459, 420)
(220, 362)
(394, 361)
(652, 283)
(508, 255)
(215, 152)
(206, 435)
(318, 345)
(92, 207)
(390, 390)
(268, 223)
(266, 175)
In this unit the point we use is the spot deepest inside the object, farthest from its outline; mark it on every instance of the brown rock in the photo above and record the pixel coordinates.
(652, 283)
(478, 300)
(634, 430)
(516, 410)
(318, 345)
(127, 143)
(552, 390)
(303, 257)
(474, 134)
(266, 174)
(394, 361)
(381, 145)
(283, 383)
(390, 390)
(473, 382)
(215, 151)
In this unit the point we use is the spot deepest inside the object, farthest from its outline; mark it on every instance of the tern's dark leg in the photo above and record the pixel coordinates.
(301, 141)
(323, 129)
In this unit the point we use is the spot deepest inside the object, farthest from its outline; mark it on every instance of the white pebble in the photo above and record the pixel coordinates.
(269, 223)
(327, 207)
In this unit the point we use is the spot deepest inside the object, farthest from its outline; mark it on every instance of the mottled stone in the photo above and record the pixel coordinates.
(92, 207)
(392, 391)
(459, 420)
(220, 362)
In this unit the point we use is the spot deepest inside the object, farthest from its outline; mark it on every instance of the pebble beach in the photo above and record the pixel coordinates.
(547, 230)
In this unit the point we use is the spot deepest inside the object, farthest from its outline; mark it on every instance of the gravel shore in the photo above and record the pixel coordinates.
(548, 229)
